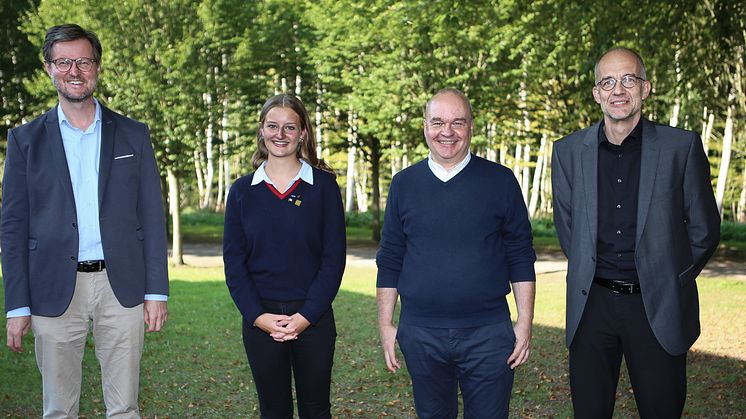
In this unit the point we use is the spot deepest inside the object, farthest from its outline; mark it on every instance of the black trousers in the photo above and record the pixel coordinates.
(308, 360)
(612, 326)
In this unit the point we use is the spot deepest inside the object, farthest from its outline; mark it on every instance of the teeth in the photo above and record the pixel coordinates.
(447, 142)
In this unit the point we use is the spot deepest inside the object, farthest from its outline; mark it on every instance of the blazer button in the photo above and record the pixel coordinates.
(593, 258)
(584, 292)
(75, 226)
(72, 257)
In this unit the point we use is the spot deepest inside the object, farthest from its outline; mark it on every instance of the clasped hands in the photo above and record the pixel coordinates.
(280, 327)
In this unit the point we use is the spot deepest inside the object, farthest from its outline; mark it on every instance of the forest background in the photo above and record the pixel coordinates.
(197, 72)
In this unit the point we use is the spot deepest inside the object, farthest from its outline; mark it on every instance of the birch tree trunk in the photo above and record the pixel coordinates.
(199, 170)
(707, 124)
(361, 188)
(351, 161)
(674, 121)
(538, 174)
(177, 257)
(227, 178)
(209, 157)
(525, 177)
(724, 160)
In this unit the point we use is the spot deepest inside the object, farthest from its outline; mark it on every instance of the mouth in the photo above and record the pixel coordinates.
(619, 102)
(446, 142)
(280, 143)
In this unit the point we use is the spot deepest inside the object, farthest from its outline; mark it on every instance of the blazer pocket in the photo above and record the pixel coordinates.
(31, 244)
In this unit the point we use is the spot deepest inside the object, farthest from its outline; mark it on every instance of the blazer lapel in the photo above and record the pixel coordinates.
(648, 171)
(57, 152)
(589, 162)
(108, 127)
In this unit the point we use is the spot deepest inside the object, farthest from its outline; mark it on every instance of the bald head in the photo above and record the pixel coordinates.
(624, 51)
(452, 92)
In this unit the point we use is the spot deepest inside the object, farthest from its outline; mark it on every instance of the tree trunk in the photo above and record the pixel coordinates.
(177, 257)
(525, 172)
(210, 161)
(538, 176)
(361, 186)
(724, 160)
(708, 122)
(375, 163)
(199, 170)
(351, 160)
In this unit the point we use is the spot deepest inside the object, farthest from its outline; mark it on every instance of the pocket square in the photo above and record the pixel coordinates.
(124, 156)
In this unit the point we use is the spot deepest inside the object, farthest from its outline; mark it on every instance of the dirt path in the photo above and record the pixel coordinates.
(211, 255)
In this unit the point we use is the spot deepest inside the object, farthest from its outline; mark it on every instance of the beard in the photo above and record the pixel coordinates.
(78, 97)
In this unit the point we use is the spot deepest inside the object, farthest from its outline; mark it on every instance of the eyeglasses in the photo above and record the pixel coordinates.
(65, 64)
(457, 125)
(628, 81)
(273, 128)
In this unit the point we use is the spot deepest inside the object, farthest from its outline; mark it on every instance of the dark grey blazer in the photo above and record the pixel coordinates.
(678, 226)
(39, 222)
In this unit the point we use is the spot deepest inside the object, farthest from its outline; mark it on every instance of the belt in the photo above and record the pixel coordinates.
(91, 266)
(618, 287)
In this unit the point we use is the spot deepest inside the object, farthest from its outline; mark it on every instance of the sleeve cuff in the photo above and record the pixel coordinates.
(19, 312)
(156, 297)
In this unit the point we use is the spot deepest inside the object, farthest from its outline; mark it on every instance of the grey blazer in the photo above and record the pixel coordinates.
(39, 222)
(678, 226)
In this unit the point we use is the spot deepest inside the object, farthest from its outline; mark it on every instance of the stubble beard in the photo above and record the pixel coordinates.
(84, 96)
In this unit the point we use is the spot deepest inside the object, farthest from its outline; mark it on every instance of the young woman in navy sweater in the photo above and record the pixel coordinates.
(284, 254)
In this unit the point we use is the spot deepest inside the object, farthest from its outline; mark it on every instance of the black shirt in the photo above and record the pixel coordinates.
(618, 186)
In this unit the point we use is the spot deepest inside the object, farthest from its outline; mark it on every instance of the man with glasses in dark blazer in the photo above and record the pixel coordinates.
(637, 220)
(83, 234)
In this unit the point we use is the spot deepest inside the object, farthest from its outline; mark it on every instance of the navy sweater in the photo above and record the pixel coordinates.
(285, 249)
(450, 248)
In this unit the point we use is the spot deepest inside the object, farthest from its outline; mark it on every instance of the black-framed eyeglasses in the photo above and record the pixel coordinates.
(628, 81)
(65, 64)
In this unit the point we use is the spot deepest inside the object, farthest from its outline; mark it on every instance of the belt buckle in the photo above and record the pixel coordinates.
(631, 288)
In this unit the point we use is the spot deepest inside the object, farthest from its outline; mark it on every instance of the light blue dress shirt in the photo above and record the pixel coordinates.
(83, 154)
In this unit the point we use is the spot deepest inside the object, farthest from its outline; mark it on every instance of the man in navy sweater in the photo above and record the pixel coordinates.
(456, 236)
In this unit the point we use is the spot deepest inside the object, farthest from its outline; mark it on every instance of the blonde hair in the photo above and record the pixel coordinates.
(306, 147)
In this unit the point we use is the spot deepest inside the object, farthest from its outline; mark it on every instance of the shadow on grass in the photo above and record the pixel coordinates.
(196, 368)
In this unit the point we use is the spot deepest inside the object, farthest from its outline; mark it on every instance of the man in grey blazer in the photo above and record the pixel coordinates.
(637, 220)
(83, 234)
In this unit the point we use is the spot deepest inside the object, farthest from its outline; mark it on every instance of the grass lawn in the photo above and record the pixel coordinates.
(196, 368)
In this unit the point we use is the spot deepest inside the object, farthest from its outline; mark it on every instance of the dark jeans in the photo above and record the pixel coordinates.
(612, 326)
(308, 360)
(441, 360)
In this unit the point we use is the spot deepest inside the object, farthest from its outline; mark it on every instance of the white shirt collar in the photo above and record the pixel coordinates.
(305, 174)
(446, 174)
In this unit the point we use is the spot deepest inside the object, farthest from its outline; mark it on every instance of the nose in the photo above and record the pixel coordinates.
(74, 70)
(618, 88)
(447, 129)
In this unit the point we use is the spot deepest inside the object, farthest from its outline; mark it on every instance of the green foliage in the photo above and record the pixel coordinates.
(730, 231)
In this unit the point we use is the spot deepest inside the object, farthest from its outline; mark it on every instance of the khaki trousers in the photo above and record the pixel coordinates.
(118, 337)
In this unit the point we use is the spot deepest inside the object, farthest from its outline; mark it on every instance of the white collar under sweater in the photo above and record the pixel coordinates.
(305, 173)
(446, 174)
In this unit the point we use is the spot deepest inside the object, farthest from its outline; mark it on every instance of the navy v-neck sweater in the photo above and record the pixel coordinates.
(284, 247)
(451, 248)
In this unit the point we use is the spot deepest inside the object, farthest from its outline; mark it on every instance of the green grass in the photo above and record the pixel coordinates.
(196, 367)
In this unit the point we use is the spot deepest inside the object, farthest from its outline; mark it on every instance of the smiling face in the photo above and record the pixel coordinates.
(620, 104)
(282, 132)
(448, 128)
(73, 85)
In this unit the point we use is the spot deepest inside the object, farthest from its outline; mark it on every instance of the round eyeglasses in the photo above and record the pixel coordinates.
(65, 64)
(628, 81)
